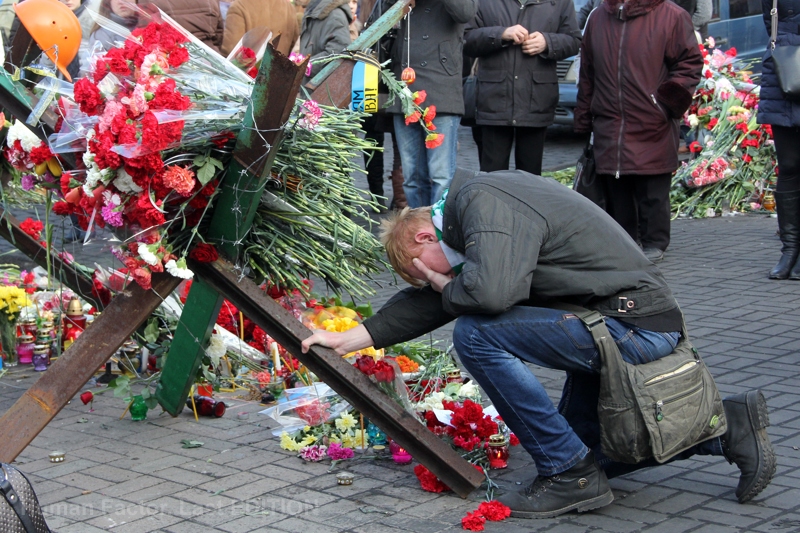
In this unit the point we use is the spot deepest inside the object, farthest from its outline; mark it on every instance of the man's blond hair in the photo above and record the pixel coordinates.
(397, 235)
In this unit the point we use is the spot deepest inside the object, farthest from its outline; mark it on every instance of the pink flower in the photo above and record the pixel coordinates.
(313, 453)
(296, 58)
(27, 182)
(311, 115)
(337, 453)
(112, 109)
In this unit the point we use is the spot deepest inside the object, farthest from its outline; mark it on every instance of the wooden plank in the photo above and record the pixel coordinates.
(341, 376)
(67, 375)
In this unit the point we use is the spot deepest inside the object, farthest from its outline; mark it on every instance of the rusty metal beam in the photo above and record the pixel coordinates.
(43, 401)
(78, 282)
(341, 376)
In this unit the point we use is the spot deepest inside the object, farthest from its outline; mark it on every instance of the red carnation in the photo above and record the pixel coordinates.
(32, 227)
(62, 208)
(428, 481)
(40, 154)
(713, 122)
(87, 397)
(142, 276)
(413, 117)
(494, 511)
(473, 522)
(384, 372)
(204, 253)
(178, 57)
(434, 140)
(429, 114)
(695, 147)
(513, 440)
(366, 364)
(88, 96)
(117, 64)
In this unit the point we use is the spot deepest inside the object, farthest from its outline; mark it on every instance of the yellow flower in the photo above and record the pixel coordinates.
(339, 324)
(288, 443)
(348, 441)
(308, 440)
(359, 437)
(345, 422)
(306, 429)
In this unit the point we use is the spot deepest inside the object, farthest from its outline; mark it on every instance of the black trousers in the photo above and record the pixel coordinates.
(496, 144)
(787, 147)
(374, 160)
(640, 204)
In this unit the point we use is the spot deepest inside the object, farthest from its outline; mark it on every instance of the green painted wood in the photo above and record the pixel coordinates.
(188, 345)
(273, 98)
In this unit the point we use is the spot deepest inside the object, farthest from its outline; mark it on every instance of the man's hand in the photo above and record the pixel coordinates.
(437, 280)
(342, 343)
(534, 44)
(517, 34)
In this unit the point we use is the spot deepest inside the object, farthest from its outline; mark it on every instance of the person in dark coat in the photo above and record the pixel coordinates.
(640, 65)
(517, 47)
(430, 40)
(201, 18)
(783, 115)
(496, 247)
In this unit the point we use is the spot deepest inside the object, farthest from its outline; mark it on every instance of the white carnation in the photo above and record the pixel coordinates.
(19, 132)
(216, 348)
(178, 269)
(124, 182)
(146, 255)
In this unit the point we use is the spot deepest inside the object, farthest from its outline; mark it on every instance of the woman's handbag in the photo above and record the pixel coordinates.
(656, 409)
(786, 60)
(585, 181)
(19, 508)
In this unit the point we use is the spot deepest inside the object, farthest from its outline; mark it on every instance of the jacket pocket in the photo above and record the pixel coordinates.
(659, 107)
(492, 94)
(544, 91)
(447, 58)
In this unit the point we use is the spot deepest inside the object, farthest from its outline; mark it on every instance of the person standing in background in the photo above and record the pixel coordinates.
(201, 18)
(517, 43)
(783, 114)
(640, 65)
(429, 41)
(277, 15)
(326, 30)
(586, 9)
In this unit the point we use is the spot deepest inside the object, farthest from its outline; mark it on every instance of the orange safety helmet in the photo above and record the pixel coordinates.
(54, 27)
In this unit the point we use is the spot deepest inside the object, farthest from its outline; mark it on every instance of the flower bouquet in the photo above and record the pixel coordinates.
(733, 156)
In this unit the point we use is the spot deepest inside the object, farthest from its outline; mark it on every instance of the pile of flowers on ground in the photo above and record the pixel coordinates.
(733, 157)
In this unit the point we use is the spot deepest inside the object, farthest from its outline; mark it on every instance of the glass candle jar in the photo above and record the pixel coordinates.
(207, 406)
(138, 408)
(26, 326)
(41, 357)
(25, 349)
(375, 435)
(497, 451)
(399, 454)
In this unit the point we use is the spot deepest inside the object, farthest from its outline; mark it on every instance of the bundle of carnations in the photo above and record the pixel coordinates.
(154, 124)
(733, 156)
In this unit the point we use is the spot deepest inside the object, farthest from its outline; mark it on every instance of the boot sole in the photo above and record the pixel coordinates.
(581, 507)
(759, 419)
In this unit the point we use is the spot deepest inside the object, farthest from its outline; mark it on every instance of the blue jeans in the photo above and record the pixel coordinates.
(495, 348)
(427, 171)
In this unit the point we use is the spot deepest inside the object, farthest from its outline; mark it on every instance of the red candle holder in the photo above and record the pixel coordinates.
(399, 454)
(497, 451)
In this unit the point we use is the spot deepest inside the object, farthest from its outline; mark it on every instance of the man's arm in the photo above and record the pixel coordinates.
(462, 11)
(567, 40)
(342, 343)
(481, 40)
(685, 63)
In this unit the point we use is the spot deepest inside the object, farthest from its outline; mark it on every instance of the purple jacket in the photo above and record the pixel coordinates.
(640, 64)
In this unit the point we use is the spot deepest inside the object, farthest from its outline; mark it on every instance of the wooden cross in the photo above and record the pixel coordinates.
(273, 98)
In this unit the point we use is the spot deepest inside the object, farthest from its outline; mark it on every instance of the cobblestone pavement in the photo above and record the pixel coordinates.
(135, 476)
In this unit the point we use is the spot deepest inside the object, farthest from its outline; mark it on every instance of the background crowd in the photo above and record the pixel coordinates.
(639, 67)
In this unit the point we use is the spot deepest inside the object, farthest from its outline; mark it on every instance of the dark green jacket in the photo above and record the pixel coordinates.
(528, 240)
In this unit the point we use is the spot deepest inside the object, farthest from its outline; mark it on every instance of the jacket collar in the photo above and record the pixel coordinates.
(450, 235)
(632, 8)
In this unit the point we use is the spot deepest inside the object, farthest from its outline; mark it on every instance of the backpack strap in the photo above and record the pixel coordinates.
(13, 500)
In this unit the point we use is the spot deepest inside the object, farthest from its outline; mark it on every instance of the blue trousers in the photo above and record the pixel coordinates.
(427, 171)
(495, 348)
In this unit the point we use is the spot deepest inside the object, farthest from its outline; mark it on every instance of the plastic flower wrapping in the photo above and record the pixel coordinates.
(151, 128)
(733, 157)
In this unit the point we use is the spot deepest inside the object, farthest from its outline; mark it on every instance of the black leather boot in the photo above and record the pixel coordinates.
(581, 488)
(747, 444)
(787, 205)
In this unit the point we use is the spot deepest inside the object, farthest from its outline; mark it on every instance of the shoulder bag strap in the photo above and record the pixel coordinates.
(13, 500)
(774, 33)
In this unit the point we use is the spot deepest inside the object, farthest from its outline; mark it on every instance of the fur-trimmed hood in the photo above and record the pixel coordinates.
(633, 8)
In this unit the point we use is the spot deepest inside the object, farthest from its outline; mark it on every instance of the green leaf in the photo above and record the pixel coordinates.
(205, 173)
(119, 381)
(151, 331)
(151, 403)
(216, 162)
(199, 160)
(82, 420)
(145, 393)
(191, 443)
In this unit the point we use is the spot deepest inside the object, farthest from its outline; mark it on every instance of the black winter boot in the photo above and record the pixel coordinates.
(787, 205)
(582, 488)
(747, 444)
